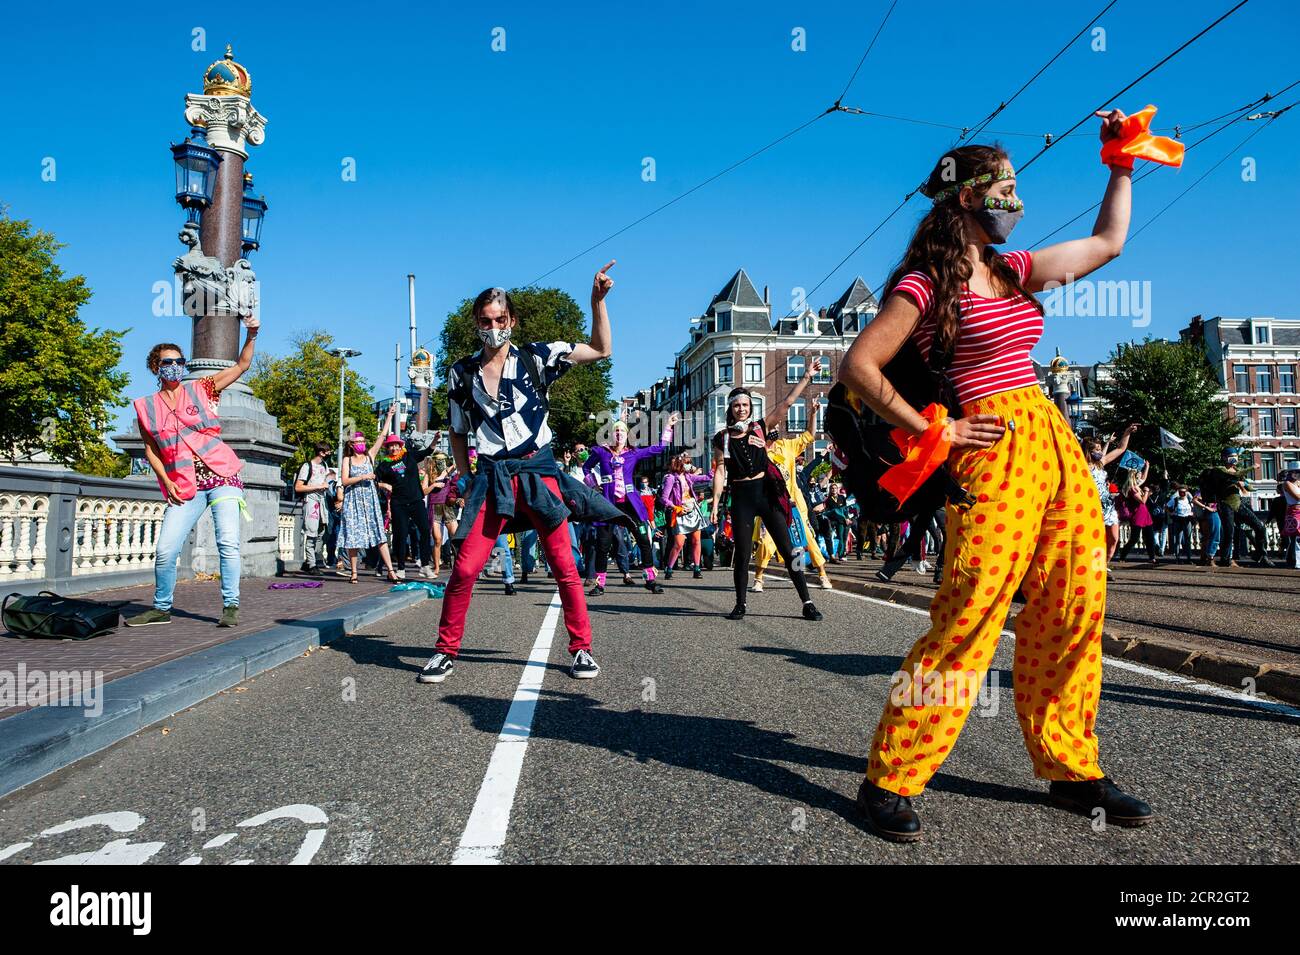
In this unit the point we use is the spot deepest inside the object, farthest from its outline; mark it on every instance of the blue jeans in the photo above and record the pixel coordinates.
(178, 521)
(1210, 535)
(507, 560)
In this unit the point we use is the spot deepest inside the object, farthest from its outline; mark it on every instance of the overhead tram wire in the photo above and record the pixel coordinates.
(1154, 168)
(1228, 155)
(865, 53)
(780, 139)
(979, 127)
(1116, 95)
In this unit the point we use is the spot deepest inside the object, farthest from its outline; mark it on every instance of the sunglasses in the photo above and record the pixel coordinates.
(171, 361)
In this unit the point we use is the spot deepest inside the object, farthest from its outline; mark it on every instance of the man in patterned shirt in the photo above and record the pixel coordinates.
(499, 396)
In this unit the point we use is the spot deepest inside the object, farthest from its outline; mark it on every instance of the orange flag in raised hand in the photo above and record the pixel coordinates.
(1135, 142)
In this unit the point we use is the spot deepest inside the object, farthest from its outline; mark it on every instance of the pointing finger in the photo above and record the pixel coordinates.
(609, 265)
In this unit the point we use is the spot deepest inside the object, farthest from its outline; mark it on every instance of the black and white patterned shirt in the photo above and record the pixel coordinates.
(515, 422)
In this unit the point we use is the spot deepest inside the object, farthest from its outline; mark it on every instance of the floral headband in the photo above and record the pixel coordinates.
(949, 191)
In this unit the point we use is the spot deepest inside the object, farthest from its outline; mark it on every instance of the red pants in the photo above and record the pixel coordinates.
(474, 554)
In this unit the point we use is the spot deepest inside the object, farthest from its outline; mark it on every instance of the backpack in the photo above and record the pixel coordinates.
(50, 615)
(863, 439)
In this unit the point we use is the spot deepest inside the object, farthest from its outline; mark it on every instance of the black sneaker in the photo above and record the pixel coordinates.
(889, 815)
(668, 575)
(810, 612)
(698, 575)
(654, 587)
(1087, 796)
(737, 612)
(510, 590)
(596, 591)
(891, 567)
(584, 667)
(436, 670)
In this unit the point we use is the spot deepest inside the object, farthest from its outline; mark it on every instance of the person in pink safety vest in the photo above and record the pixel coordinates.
(195, 469)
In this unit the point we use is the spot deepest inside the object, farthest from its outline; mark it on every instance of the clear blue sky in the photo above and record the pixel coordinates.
(477, 168)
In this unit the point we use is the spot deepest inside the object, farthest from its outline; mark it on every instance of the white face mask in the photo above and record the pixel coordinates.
(494, 337)
(740, 424)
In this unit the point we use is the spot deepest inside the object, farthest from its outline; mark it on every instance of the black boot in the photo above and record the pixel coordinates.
(737, 612)
(510, 590)
(1087, 796)
(890, 815)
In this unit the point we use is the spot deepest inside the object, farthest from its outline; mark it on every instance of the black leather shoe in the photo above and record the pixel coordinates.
(653, 587)
(889, 815)
(737, 612)
(810, 612)
(1084, 797)
(510, 590)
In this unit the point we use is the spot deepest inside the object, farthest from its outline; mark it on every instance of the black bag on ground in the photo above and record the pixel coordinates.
(59, 618)
(863, 439)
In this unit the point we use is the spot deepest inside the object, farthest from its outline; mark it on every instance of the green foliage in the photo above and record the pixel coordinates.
(545, 315)
(302, 391)
(1170, 385)
(58, 378)
(104, 462)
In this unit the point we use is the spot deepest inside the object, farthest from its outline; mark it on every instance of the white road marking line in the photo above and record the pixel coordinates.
(1280, 708)
(485, 832)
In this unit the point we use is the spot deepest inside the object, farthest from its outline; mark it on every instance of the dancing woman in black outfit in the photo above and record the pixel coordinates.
(740, 462)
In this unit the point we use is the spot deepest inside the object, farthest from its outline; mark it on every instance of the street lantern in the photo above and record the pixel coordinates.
(253, 210)
(1075, 401)
(196, 172)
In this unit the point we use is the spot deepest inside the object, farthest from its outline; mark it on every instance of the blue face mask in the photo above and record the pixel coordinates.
(171, 372)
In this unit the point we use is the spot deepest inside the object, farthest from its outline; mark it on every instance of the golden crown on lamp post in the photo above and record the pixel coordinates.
(227, 78)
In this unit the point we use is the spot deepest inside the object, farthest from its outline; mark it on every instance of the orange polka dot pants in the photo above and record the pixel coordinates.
(1037, 525)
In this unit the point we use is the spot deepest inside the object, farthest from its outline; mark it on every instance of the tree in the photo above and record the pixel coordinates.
(58, 378)
(545, 315)
(302, 391)
(1169, 385)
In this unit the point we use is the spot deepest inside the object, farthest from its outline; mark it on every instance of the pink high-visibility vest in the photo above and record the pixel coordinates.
(192, 429)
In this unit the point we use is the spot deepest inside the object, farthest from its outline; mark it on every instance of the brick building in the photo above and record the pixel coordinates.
(736, 342)
(1255, 360)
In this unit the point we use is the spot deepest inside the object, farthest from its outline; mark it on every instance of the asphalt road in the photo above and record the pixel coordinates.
(703, 740)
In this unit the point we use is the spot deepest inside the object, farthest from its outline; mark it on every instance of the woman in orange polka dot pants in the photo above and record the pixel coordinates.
(1036, 524)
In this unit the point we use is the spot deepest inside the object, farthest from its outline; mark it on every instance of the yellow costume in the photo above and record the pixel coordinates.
(1036, 524)
(784, 453)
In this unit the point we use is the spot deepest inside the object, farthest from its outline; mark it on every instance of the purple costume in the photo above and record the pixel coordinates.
(676, 485)
(604, 457)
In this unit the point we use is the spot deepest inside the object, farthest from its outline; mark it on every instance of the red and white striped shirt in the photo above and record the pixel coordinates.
(997, 335)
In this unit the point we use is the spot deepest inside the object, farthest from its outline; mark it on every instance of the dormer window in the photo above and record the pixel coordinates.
(723, 320)
(1263, 335)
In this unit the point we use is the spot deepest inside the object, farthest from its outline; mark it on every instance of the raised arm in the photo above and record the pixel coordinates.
(228, 376)
(1109, 456)
(602, 342)
(1065, 262)
(778, 413)
(383, 432)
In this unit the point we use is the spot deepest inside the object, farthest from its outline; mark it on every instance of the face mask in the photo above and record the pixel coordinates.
(358, 448)
(171, 372)
(998, 217)
(1095, 455)
(494, 337)
(1232, 462)
(740, 424)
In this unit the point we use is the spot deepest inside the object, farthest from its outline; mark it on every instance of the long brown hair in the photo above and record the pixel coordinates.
(938, 246)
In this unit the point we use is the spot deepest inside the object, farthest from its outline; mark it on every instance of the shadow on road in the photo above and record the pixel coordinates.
(729, 749)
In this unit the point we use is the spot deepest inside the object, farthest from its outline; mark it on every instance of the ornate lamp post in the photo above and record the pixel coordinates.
(253, 212)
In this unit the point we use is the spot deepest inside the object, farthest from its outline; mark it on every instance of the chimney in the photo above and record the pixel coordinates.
(766, 300)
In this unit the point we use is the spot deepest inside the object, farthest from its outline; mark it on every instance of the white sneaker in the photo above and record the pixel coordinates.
(826, 582)
(427, 572)
(923, 568)
(379, 571)
(758, 586)
(401, 575)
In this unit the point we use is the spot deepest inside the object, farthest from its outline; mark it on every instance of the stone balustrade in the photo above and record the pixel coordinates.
(74, 533)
